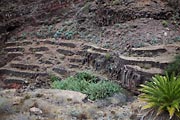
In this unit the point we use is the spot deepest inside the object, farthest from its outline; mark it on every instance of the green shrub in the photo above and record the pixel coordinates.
(88, 84)
(44, 32)
(54, 78)
(65, 34)
(108, 56)
(116, 2)
(165, 23)
(139, 44)
(23, 36)
(69, 35)
(87, 77)
(174, 67)
(58, 34)
(71, 83)
(162, 96)
(101, 89)
(176, 39)
(154, 41)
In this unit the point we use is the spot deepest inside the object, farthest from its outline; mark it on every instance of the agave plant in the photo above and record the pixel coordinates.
(162, 96)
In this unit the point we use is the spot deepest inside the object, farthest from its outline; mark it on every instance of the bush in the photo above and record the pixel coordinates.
(54, 78)
(87, 77)
(162, 97)
(88, 84)
(165, 23)
(101, 89)
(71, 83)
(174, 67)
(44, 32)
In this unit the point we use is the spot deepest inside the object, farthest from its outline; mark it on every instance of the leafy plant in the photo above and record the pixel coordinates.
(69, 35)
(139, 44)
(101, 89)
(45, 31)
(23, 36)
(54, 78)
(117, 25)
(108, 56)
(64, 32)
(88, 84)
(162, 96)
(71, 83)
(174, 66)
(87, 77)
(106, 45)
(58, 34)
(116, 2)
(165, 23)
(50, 28)
(176, 39)
(153, 41)
(175, 19)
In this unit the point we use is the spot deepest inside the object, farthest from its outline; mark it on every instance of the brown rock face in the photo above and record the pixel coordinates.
(3, 58)
(110, 13)
(15, 13)
(174, 3)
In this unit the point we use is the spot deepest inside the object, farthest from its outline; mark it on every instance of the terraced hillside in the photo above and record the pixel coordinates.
(33, 61)
(112, 39)
(134, 67)
(126, 41)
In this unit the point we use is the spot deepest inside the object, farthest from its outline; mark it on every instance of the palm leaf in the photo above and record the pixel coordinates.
(171, 111)
(163, 92)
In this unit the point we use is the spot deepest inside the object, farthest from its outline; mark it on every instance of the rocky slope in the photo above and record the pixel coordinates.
(44, 104)
(125, 41)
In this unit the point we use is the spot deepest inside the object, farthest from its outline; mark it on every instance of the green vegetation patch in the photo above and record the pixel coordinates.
(174, 67)
(162, 96)
(165, 23)
(88, 84)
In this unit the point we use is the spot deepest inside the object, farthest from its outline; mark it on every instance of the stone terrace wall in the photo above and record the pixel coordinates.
(116, 70)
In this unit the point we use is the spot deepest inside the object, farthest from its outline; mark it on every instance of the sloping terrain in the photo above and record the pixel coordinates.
(34, 61)
(127, 41)
(134, 68)
(46, 104)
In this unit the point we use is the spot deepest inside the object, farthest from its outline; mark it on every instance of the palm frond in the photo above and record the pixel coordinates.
(162, 94)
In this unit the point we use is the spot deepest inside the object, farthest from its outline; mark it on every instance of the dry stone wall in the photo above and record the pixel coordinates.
(133, 68)
(127, 70)
(117, 70)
